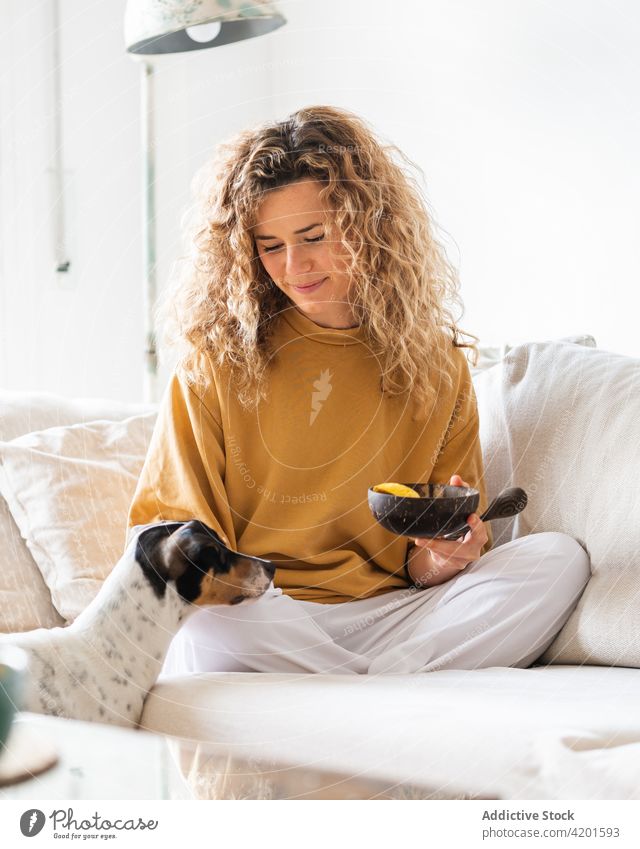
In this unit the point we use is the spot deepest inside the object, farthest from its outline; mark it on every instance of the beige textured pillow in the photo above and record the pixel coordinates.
(25, 600)
(69, 490)
(561, 421)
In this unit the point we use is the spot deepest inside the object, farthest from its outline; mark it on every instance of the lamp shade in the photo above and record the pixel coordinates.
(163, 26)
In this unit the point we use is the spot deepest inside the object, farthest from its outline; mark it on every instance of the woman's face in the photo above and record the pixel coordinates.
(298, 246)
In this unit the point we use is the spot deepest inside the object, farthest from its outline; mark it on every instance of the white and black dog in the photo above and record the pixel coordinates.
(101, 667)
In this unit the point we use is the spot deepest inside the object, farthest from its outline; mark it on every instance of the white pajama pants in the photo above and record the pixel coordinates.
(503, 610)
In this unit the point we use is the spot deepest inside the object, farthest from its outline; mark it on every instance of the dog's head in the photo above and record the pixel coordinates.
(204, 570)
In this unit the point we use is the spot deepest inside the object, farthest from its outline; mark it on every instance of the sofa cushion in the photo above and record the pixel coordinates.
(494, 732)
(491, 355)
(69, 490)
(560, 420)
(24, 412)
(487, 381)
(25, 600)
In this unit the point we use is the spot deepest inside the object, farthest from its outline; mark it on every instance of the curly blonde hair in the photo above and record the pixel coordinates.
(223, 305)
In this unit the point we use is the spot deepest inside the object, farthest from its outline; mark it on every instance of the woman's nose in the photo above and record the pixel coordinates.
(298, 260)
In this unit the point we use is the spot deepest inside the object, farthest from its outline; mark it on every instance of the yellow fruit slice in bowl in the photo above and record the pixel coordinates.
(398, 489)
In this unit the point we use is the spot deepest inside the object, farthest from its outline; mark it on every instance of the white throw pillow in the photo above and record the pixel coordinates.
(487, 380)
(490, 355)
(561, 421)
(69, 490)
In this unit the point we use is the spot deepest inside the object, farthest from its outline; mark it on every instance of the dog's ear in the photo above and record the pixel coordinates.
(182, 552)
(148, 554)
(196, 550)
(198, 529)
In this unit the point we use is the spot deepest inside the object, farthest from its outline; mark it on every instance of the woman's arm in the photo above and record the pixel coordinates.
(459, 462)
(435, 561)
(183, 474)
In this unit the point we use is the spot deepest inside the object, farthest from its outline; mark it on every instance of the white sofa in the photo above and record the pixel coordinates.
(557, 418)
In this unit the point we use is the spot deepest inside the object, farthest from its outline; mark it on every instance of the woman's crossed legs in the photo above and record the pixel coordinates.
(503, 610)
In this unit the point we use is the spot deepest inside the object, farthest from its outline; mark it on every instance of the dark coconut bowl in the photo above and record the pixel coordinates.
(441, 510)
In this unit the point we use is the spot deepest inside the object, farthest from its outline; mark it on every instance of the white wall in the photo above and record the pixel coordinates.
(69, 333)
(81, 333)
(524, 117)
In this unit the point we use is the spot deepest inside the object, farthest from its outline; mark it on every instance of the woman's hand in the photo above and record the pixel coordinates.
(435, 561)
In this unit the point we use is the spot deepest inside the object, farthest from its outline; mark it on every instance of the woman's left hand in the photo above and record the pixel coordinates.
(457, 554)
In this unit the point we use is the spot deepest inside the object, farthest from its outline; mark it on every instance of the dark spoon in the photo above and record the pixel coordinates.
(509, 503)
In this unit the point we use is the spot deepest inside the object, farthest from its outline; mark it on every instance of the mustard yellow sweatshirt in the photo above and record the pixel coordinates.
(289, 482)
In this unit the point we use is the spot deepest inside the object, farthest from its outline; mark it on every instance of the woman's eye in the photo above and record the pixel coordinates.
(277, 247)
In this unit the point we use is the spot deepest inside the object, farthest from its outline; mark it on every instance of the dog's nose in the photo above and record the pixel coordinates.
(270, 569)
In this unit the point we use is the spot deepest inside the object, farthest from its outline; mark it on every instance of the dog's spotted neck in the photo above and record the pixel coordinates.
(135, 616)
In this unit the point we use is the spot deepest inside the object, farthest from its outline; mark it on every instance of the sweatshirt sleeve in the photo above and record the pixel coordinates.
(183, 473)
(460, 450)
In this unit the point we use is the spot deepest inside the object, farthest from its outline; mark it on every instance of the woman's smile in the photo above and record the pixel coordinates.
(310, 287)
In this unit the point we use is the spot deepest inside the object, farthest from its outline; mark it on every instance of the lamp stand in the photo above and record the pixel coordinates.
(149, 288)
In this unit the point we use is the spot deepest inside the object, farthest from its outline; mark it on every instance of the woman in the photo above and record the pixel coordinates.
(319, 355)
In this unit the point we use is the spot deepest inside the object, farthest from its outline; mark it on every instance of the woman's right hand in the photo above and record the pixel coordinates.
(429, 570)
(435, 561)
